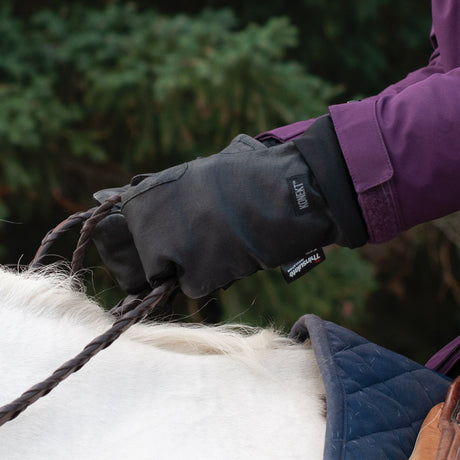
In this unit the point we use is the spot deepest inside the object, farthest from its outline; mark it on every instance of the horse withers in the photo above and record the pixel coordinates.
(161, 391)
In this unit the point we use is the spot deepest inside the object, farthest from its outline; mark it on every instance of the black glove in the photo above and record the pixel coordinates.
(217, 219)
(116, 247)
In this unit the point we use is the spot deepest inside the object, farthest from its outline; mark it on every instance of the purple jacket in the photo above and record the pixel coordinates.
(402, 146)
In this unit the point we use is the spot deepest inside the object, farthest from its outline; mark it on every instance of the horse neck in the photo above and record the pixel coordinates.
(169, 403)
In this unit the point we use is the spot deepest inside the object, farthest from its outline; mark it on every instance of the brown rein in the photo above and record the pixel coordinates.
(134, 311)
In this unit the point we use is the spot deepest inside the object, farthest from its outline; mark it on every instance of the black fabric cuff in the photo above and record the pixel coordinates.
(320, 149)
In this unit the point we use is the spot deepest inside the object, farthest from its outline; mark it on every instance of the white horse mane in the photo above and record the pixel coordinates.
(52, 292)
(162, 391)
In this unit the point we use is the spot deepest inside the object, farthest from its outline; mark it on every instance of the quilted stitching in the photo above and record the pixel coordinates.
(376, 399)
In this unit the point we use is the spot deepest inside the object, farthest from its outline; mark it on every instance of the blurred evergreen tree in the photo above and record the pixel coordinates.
(363, 44)
(134, 92)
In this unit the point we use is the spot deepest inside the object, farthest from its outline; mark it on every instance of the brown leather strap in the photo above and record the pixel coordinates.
(449, 425)
(439, 436)
(428, 436)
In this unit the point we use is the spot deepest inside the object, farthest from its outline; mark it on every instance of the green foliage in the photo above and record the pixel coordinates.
(137, 91)
(364, 44)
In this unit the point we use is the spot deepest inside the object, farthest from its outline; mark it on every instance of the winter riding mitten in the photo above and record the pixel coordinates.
(250, 207)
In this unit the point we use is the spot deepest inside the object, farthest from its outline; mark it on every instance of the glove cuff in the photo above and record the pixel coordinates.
(320, 149)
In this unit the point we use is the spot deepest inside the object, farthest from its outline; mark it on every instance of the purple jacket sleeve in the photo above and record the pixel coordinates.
(402, 147)
(403, 153)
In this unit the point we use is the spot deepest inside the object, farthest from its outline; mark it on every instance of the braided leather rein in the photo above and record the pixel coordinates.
(134, 311)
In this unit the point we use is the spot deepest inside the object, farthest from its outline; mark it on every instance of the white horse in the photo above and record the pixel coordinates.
(159, 392)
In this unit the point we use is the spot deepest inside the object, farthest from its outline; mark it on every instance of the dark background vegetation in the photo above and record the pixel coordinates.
(93, 92)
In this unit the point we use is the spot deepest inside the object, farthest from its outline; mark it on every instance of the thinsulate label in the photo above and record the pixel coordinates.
(310, 260)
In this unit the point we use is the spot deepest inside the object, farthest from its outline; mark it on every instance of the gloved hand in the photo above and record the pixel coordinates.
(217, 219)
(116, 247)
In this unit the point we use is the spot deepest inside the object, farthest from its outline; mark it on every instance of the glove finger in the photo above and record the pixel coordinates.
(101, 195)
(116, 247)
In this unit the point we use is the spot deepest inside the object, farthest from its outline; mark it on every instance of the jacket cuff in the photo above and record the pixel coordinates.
(285, 133)
(370, 168)
(320, 149)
